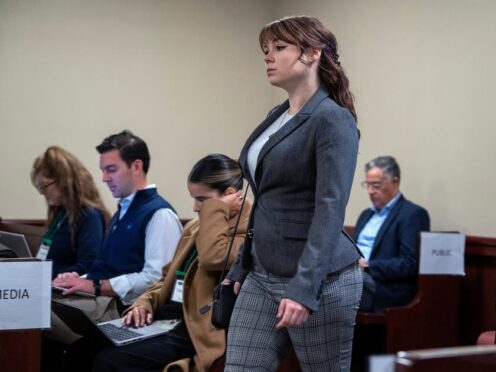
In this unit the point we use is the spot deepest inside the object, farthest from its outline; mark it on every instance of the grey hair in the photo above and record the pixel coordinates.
(387, 163)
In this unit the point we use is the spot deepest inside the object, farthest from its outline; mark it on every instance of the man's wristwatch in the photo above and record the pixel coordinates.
(97, 284)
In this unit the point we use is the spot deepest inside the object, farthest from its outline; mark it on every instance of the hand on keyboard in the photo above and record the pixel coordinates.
(138, 316)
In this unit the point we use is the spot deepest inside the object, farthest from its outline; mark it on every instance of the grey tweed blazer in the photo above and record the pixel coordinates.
(301, 187)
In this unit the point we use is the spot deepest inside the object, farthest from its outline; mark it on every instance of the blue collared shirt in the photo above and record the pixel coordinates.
(124, 203)
(367, 236)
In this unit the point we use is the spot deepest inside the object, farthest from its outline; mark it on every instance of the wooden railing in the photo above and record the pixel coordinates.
(446, 311)
(457, 359)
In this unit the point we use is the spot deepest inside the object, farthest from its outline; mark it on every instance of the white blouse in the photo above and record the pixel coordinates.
(257, 145)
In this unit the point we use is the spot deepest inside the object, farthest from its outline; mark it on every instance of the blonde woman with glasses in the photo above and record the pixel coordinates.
(76, 218)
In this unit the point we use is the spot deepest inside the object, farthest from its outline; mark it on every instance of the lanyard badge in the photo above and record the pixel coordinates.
(46, 242)
(44, 248)
(177, 293)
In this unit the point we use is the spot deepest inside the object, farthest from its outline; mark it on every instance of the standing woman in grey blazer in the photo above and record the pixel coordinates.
(297, 276)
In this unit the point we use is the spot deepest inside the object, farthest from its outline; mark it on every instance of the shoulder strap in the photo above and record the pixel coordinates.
(233, 235)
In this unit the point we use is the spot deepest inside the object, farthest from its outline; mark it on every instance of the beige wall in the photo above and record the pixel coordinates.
(423, 76)
(188, 77)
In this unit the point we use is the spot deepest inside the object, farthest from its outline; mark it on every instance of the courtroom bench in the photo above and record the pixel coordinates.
(430, 320)
(477, 294)
(447, 311)
(455, 359)
(478, 289)
(405, 328)
(32, 229)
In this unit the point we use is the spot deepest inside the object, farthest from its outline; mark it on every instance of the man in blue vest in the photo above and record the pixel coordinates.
(388, 236)
(141, 238)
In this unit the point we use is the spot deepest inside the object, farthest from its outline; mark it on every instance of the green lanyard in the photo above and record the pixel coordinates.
(192, 255)
(54, 226)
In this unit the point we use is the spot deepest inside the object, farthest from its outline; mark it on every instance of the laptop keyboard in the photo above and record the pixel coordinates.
(117, 333)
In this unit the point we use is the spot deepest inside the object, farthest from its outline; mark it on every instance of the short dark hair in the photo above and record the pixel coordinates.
(218, 172)
(130, 148)
(387, 163)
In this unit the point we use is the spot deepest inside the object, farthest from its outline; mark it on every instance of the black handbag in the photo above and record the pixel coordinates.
(223, 305)
(224, 297)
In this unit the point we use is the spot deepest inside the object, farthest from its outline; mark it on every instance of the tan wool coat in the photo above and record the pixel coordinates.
(211, 234)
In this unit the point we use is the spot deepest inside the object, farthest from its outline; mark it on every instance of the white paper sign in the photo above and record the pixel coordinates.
(442, 253)
(382, 363)
(25, 294)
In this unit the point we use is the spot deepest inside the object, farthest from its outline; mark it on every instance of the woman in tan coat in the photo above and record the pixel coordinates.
(215, 183)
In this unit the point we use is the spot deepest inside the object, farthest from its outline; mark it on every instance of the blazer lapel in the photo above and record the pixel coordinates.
(287, 129)
(282, 133)
(291, 125)
(243, 157)
(390, 218)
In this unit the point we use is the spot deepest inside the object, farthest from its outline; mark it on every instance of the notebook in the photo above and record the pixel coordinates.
(112, 331)
(16, 242)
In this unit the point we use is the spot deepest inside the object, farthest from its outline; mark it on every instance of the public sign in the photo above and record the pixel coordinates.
(442, 253)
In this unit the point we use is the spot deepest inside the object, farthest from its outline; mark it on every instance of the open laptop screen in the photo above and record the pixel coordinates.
(16, 242)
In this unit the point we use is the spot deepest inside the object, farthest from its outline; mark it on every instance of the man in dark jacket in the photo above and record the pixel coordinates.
(388, 236)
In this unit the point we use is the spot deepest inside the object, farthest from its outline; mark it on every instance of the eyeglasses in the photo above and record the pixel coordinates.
(373, 185)
(42, 188)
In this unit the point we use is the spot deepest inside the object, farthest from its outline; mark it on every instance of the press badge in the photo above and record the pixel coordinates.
(43, 250)
(177, 293)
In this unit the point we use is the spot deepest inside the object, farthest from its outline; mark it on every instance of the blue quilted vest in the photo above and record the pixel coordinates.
(123, 249)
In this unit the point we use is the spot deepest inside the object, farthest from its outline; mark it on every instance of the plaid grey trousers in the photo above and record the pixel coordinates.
(322, 343)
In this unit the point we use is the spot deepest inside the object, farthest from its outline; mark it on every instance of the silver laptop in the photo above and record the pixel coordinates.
(16, 242)
(112, 331)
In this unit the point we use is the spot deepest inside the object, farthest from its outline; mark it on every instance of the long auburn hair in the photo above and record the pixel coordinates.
(74, 181)
(308, 32)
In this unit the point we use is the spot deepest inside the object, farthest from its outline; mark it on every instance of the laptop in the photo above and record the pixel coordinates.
(111, 332)
(16, 242)
(79, 293)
